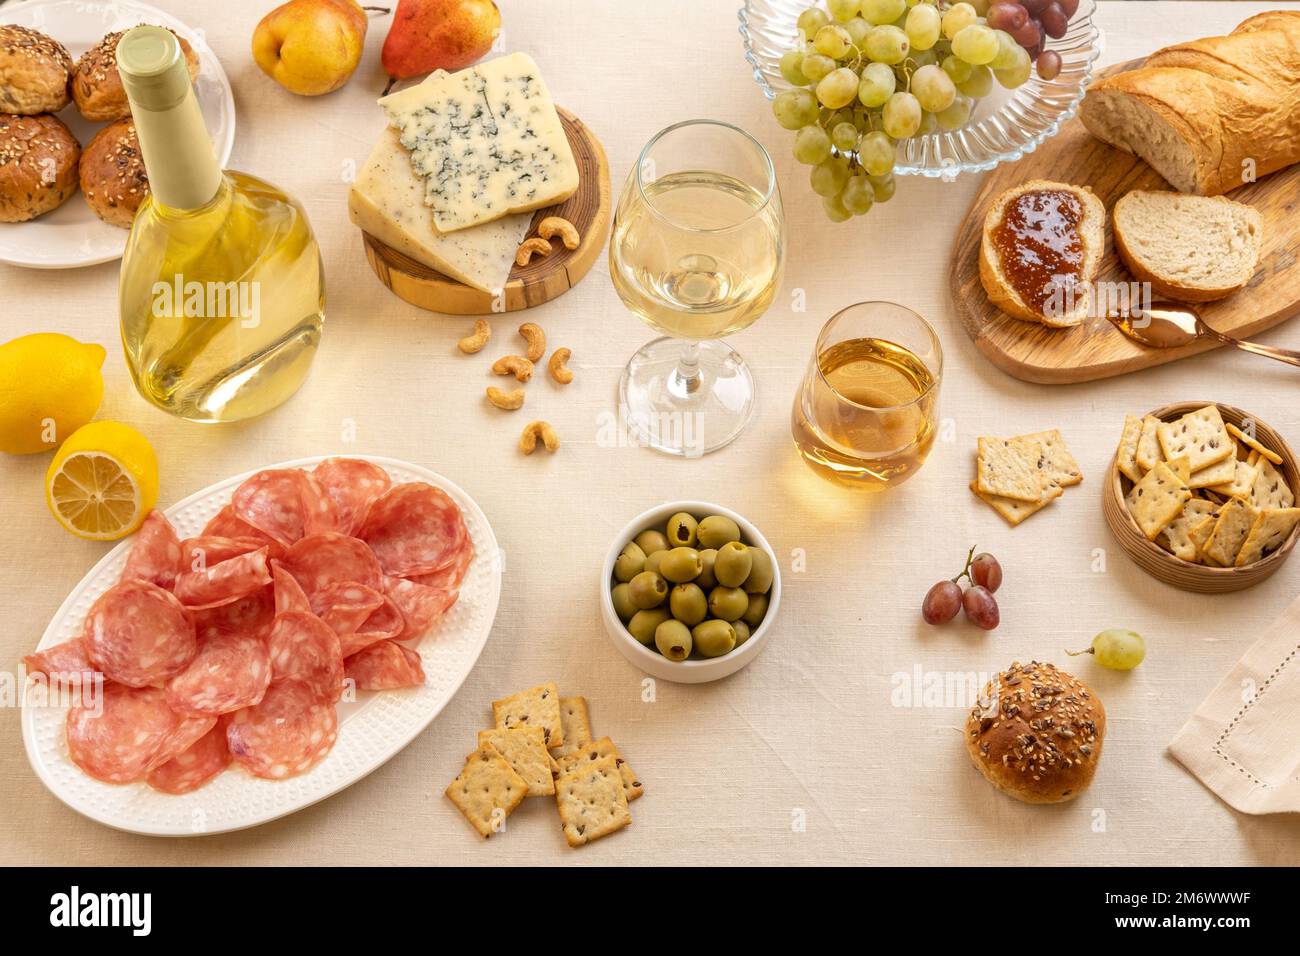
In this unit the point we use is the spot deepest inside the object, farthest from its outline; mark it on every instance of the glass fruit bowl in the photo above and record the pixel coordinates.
(1005, 125)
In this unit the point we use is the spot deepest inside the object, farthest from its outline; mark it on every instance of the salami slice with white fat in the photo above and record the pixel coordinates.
(63, 665)
(352, 484)
(192, 768)
(155, 552)
(224, 582)
(188, 730)
(115, 738)
(231, 670)
(207, 550)
(226, 524)
(284, 503)
(288, 733)
(139, 635)
(414, 529)
(384, 623)
(250, 615)
(419, 604)
(345, 606)
(303, 646)
(385, 666)
(289, 595)
(320, 560)
(451, 577)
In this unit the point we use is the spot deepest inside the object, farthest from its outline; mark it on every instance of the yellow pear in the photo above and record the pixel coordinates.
(311, 47)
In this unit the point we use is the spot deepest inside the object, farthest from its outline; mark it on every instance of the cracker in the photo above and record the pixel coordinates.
(599, 750)
(1177, 534)
(536, 707)
(1239, 487)
(1017, 511)
(1182, 467)
(1200, 533)
(591, 801)
(525, 750)
(1269, 532)
(1270, 489)
(1053, 458)
(1148, 445)
(576, 724)
(1126, 454)
(1216, 474)
(1008, 471)
(1158, 499)
(1200, 435)
(487, 790)
(1230, 530)
(1254, 444)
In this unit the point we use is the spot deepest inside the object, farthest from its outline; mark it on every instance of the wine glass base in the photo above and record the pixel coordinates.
(680, 416)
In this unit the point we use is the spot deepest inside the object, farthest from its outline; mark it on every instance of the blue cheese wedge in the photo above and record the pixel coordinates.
(486, 140)
(387, 201)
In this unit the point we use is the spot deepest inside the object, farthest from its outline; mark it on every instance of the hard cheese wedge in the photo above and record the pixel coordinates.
(486, 140)
(387, 201)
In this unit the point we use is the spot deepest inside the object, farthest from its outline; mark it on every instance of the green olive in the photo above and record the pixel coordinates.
(681, 530)
(680, 565)
(688, 604)
(643, 624)
(623, 605)
(647, 590)
(673, 638)
(757, 609)
(716, 530)
(651, 541)
(762, 572)
(652, 560)
(629, 563)
(732, 565)
(729, 604)
(742, 631)
(714, 638)
(706, 579)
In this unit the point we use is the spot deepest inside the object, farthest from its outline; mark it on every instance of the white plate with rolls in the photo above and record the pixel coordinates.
(72, 235)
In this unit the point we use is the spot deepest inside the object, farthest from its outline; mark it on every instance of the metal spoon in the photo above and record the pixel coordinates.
(1167, 325)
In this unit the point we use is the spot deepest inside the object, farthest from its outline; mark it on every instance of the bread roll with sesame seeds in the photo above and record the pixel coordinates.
(34, 72)
(113, 177)
(38, 165)
(97, 86)
(1036, 733)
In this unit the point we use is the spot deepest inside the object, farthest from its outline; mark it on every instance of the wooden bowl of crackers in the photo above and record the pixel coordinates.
(1202, 496)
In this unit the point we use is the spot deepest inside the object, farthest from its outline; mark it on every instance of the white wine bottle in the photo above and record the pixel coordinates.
(222, 291)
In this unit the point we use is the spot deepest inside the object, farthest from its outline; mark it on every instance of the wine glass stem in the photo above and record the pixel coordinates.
(688, 377)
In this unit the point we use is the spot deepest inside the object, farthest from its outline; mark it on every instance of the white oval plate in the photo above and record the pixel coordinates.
(73, 236)
(371, 729)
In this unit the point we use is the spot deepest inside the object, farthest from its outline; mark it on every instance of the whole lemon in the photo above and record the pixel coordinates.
(50, 386)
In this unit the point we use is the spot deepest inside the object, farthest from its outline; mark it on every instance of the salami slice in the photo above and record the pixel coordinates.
(320, 560)
(188, 730)
(155, 552)
(385, 666)
(208, 550)
(224, 582)
(139, 635)
(384, 623)
(451, 577)
(65, 664)
(352, 484)
(192, 768)
(302, 646)
(231, 670)
(283, 503)
(226, 524)
(289, 595)
(414, 529)
(345, 606)
(252, 615)
(115, 740)
(288, 733)
(419, 604)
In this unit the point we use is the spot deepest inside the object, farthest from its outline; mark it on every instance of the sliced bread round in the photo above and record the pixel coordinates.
(1190, 248)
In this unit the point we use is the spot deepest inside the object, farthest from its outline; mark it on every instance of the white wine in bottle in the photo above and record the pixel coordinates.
(222, 291)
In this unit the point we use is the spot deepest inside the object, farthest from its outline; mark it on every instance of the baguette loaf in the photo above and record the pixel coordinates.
(1211, 114)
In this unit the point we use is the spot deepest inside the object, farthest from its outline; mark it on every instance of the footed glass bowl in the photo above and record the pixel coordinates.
(1005, 125)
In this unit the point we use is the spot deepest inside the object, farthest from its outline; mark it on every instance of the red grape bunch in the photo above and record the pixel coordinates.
(1031, 23)
(945, 599)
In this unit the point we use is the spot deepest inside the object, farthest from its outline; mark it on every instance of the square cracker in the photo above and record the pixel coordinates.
(1217, 474)
(576, 724)
(1242, 481)
(1148, 445)
(1017, 511)
(1253, 443)
(487, 790)
(1200, 435)
(1267, 534)
(1200, 533)
(1270, 489)
(1182, 467)
(525, 750)
(1230, 530)
(536, 707)
(1008, 470)
(1126, 454)
(1051, 457)
(599, 750)
(591, 801)
(1177, 534)
(1158, 499)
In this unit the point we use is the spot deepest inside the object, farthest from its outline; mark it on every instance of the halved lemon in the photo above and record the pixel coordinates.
(103, 481)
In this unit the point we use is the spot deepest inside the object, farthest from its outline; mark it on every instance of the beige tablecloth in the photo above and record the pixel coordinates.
(821, 751)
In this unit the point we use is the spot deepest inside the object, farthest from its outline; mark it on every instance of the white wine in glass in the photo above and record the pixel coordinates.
(697, 251)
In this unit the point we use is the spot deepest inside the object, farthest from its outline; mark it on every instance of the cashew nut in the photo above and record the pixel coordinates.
(557, 367)
(515, 365)
(535, 430)
(506, 400)
(556, 225)
(536, 339)
(475, 341)
(528, 247)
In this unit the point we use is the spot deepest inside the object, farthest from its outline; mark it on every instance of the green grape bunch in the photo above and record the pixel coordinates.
(868, 73)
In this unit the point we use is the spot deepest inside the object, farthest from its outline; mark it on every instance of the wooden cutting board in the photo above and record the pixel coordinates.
(1096, 349)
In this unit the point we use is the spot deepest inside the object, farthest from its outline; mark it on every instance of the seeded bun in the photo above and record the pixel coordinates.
(113, 178)
(38, 165)
(97, 86)
(1036, 733)
(34, 72)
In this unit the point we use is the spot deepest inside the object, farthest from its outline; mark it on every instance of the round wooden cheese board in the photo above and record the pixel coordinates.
(545, 277)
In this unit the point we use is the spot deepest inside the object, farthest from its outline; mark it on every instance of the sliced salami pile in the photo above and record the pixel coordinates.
(234, 646)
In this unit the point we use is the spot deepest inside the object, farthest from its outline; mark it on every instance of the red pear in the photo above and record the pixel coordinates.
(428, 35)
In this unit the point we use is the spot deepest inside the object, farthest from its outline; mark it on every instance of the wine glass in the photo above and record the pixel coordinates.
(697, 251)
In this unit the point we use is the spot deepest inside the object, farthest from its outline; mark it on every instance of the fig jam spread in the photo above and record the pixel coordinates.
(1037, 240)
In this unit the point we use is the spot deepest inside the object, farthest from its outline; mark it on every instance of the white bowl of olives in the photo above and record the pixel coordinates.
(689, 591)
